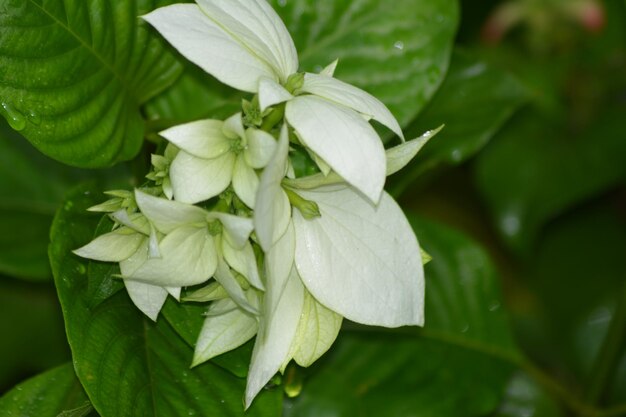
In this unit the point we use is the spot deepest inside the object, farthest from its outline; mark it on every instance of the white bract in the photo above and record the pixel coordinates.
(332, 244)
(244, 44)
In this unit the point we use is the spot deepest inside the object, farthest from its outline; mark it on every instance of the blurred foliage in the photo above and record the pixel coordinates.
(524, 190)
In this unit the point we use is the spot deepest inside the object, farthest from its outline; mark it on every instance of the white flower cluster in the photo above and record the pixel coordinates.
(281, 256)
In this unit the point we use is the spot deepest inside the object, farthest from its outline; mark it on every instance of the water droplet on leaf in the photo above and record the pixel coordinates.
(282, 3)
(399, 45)
(34, 117)
(13, 116)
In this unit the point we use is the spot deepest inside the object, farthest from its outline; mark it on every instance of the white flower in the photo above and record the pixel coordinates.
(244, 44)
(214, 154)
(357, 260)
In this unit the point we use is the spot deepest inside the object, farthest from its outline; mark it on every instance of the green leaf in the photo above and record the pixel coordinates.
(54, 393)
(534, 171)
(129, 365)
(33, 186)
(456, 366)
(399, 53)
(525, 398)
(194, 96)
(74, 73)
(473, 103)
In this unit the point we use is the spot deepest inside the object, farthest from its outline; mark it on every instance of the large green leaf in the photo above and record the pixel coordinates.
(473, 103)
(128, 365)
(456, 366)
(55, 393)
(73, 74)
(32, 187)
(397, 52)
(534, 171)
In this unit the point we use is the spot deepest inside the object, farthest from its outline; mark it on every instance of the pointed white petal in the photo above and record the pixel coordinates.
(197, 179)
(360, 260)
(272, 93)
(343, 139)
(351, 96)
(399, 156)
(167, 215)
(233, 127)
(115, 246)
(272, 210)
(329, 71)
(280, 258)
(225, 277)
(203, 138)
(283, 307)
(245, 181)
(243, 261)
(174, 292)
(148, 298)
(317, 331)
(236, 229)
(257, 26)
(261, 146)
(135, 221)
(205, 43)
(224, 332)
(189, 257)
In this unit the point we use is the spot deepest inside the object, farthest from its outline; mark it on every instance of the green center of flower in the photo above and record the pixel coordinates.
(237, 146)
(215, 228)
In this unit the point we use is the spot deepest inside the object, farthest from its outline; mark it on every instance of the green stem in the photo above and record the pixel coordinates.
(273, 118)
(609, 354)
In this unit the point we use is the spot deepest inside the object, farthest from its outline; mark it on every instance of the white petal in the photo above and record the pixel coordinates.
(351, 96)
(343, 139)
(317, 331)
(283, 307)
(148, 298)
(245, 181)
(272, 210)
(243, 261)
(360, 260)
(174, 292)
(116, 246)
(237, 229)
(257, 26)
(272, 93)
(399, 156)
(329, 70)
(167, 215)
(188, 258)
(225, 277)
(280, 258)
(206, 44)
(233, 127)
(261, 146)
(224, 332)
(197, 179)
(135, 221)
(203, 138)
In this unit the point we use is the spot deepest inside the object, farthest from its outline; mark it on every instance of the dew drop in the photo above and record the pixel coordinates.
(399, 45)
(81, 269)
(191, 412)
(13, 116)
(34, 117)
(465, 328)
(282, 3)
